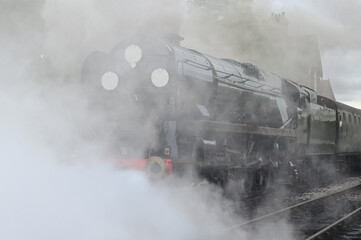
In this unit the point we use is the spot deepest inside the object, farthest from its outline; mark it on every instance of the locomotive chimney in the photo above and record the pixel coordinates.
(174, 38)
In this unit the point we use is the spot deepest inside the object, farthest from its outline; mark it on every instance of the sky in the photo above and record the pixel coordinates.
(336, 24)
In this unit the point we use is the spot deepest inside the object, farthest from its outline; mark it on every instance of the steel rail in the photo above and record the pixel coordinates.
(288, 209)
(332, 227)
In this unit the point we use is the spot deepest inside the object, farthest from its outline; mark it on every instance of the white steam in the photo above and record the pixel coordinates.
(74, 29)
(43, 198)
(51, 186)
(240, 29)
(45, 194)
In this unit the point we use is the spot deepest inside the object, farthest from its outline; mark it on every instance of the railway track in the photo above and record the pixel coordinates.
(348, 227)
(323, 216)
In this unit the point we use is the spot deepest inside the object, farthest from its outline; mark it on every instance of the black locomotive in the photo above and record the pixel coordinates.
(171, 108)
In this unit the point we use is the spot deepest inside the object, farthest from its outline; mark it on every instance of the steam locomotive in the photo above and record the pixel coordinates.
(171, 108)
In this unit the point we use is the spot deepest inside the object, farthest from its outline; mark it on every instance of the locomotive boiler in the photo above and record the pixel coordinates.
(171, 109)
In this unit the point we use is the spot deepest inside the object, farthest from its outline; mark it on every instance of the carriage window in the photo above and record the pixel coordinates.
(344, 116)
(349, 118)
(354, 119)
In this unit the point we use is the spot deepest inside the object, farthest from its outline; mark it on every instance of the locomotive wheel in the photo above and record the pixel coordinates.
(248, 183)
(257, 180)
(262, 180)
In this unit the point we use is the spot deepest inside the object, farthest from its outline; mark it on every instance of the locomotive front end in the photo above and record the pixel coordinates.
(133, 89)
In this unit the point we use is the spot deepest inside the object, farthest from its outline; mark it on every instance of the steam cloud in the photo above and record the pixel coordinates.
(43, 114)
(239, 26)
(44, 122)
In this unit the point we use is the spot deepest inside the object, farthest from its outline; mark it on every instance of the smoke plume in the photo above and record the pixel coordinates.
(53, 182)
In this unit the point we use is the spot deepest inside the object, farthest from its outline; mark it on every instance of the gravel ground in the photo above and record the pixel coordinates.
(322, 191)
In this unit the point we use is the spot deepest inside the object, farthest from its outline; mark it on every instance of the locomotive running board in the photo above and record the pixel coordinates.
(244, 128)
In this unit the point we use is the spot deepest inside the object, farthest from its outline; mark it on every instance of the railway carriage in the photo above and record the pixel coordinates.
(349, 135)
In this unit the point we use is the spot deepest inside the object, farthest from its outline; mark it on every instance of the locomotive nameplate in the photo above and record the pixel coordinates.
(244, 128)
